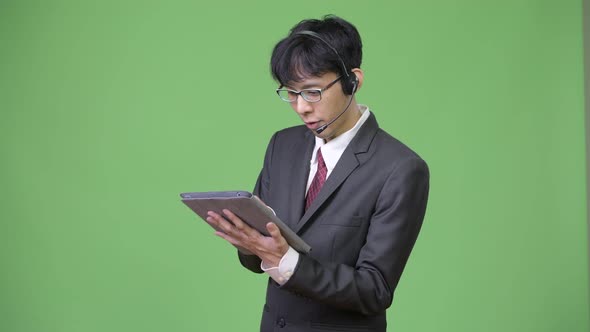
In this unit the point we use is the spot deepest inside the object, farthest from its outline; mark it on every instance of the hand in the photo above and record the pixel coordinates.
(270, 249)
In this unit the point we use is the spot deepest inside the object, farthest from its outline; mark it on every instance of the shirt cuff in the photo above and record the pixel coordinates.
(284, 271)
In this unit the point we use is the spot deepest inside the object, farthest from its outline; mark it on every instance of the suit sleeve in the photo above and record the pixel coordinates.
(261, 189)
(368, 286)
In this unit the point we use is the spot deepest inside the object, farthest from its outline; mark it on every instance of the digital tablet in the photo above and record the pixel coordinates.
(247, 207)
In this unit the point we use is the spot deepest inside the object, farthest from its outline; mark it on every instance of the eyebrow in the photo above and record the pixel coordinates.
(311, 85)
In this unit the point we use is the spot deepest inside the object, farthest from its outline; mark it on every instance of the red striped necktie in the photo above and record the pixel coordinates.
(318, 180)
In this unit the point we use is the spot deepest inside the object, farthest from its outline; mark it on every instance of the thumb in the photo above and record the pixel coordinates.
(274, 230)
(258, 198)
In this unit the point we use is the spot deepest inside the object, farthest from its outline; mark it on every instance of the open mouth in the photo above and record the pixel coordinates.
(312, 125)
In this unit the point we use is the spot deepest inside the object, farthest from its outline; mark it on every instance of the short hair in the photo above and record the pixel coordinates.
(300, 56)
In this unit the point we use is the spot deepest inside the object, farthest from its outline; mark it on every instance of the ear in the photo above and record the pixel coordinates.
(360, 75)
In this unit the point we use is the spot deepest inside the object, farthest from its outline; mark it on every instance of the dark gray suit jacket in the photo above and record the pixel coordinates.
(361, 227)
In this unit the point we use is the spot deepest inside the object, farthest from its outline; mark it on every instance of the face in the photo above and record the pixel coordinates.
(333, 102)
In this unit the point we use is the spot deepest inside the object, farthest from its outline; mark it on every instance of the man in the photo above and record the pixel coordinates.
(355, 194)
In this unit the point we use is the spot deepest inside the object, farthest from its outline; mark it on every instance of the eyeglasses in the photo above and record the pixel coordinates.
(309, 95)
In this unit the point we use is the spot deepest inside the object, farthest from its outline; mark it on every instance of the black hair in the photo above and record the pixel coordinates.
(299, 56)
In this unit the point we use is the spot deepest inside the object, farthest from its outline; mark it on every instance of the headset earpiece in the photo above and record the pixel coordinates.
(350, 83)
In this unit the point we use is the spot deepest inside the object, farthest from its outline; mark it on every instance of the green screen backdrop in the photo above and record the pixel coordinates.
(109, 109)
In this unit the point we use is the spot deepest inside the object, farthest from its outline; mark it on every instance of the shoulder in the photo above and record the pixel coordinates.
(290, 136)
(372, 139)
(292, 132)
(395, 156)
(386, 144)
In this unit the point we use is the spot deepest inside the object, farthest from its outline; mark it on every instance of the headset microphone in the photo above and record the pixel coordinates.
(322, 128)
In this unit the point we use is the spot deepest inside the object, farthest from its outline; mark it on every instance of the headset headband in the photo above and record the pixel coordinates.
(317, 36)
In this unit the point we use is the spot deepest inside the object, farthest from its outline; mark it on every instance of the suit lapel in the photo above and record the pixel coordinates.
(344, 167)
(347, 164)
(298, 176)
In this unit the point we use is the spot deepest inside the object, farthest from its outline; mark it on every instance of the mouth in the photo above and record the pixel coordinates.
(312, 124)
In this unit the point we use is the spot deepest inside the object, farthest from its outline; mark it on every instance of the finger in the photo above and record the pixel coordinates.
(268, 207)
(274, 231)
(258, 198)
(214, 215)
(239, 223)
(221, 223)
(211, 221)
(233, 218)
(229, 238)
(281, 243)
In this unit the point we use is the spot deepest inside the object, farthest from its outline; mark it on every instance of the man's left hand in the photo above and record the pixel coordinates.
(270, 249)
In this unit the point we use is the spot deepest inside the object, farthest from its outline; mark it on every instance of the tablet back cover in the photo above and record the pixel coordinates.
(247, 207)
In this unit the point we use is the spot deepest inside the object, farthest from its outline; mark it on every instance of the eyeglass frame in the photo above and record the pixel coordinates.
(302, 92)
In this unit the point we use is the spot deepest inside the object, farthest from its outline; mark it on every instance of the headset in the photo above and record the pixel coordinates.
(350, 82)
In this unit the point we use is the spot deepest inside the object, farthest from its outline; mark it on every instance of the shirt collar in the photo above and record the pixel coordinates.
(332, 150)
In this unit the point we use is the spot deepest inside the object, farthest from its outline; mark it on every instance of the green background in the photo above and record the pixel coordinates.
(109, 109)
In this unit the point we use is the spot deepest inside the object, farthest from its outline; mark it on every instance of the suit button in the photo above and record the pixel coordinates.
(281, 322)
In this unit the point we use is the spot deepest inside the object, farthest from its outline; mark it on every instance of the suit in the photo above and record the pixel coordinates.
(361, 227)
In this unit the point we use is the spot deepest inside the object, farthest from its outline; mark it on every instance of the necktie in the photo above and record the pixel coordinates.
(318, 180)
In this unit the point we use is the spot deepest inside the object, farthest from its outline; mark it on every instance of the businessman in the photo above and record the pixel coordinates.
(354, 193)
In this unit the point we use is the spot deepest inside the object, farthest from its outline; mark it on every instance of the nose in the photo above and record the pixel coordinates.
(301, 106)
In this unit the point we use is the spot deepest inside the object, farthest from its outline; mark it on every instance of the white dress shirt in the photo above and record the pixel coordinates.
(331, 151)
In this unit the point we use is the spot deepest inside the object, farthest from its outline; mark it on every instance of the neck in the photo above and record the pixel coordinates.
(349, 119)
